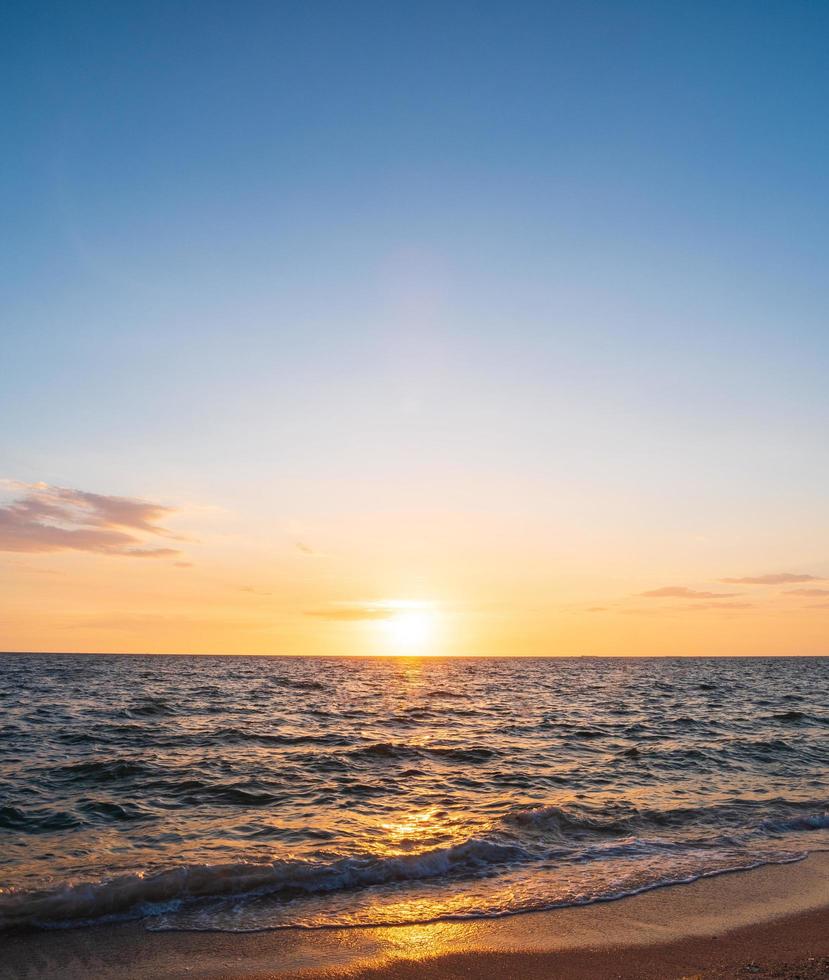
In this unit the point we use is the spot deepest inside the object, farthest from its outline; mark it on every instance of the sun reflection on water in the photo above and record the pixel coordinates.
(413, 832)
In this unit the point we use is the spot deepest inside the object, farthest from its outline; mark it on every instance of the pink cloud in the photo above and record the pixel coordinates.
(722, 605)
(681, 592)
(43, 518)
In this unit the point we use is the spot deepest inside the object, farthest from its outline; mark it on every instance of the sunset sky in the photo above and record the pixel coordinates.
(452, 327)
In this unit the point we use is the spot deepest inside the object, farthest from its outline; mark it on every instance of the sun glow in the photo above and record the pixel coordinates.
(411, 629)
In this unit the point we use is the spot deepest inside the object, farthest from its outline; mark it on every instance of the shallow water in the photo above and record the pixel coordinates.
(249, 792)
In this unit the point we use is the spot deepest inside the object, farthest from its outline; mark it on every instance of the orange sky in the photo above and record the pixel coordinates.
(200, 578)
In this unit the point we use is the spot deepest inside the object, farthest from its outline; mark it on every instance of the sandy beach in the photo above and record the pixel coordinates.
(771, 921)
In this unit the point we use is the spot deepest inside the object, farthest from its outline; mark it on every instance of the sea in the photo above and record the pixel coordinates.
(251, 793)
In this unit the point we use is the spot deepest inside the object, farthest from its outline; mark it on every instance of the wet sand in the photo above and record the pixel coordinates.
(769, 922)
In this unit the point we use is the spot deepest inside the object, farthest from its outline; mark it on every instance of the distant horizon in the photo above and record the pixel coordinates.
(430, 656)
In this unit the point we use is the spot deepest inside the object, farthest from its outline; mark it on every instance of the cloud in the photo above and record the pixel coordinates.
(597, 609)
(307, 550)
(808, 592)
(352, 613)
(819, 605)
(151, 552)
(721, 605)
(776, 578)
(43, 518)
(250, 588)
(368, 609)
(681, 592)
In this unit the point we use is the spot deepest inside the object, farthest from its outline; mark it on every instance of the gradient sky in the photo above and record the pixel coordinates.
(513, 312)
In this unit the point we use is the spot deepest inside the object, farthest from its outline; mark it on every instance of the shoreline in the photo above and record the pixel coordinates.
(767, 921)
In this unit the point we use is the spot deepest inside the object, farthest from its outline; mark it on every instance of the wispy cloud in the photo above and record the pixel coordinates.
(352, 613)
(721, 605)
(808, 592)
(145, 552)
(309, 551)
(355, 610)
(682, 592)
(776, 578)
(43, 518)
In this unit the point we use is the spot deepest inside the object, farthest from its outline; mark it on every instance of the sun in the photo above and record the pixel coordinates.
(411, 628)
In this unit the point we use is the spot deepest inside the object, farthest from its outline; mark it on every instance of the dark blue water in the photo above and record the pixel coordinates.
(244, 793)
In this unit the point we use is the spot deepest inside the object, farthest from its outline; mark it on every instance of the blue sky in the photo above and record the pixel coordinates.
(315, 259)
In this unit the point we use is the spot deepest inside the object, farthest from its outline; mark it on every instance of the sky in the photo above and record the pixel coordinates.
(443, 327)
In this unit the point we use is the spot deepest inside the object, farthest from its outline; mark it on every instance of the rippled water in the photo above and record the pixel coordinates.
(247, 793)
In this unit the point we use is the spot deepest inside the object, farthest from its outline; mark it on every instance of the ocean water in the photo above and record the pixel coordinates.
(243, 793)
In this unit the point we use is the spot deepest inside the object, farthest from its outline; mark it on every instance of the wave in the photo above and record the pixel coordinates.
(298, 685)
(529, 835)
(811, 821)
(35, 821)
(134, 896)
(149, 708)
(106, 770)
(796, 716)
(229, 735)
(744, 818)
(404, 750)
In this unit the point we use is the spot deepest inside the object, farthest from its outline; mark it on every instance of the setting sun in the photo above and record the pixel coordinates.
(410, 630)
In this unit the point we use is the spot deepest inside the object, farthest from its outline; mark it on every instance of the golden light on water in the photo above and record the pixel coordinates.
(417, 830)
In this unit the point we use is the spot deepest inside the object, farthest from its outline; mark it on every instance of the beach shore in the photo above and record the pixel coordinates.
(768, 922)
